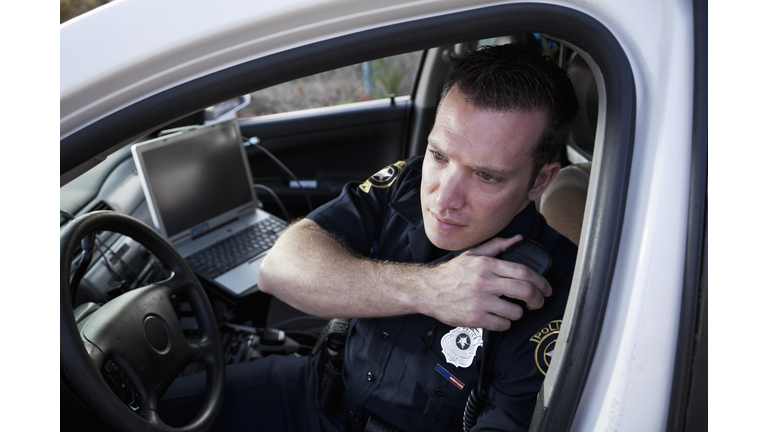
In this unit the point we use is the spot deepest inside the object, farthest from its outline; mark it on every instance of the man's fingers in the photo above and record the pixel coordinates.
(520, 272)
(501, 314)
(495, 246)
(476, 280)
(496, 323)
(506, 309)
(498, 245)
(524, 291)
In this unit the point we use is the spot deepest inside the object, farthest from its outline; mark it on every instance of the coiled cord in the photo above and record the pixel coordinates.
(475, 403)
(476, 399)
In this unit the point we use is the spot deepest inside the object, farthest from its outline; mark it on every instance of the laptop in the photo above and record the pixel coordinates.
(199, 190)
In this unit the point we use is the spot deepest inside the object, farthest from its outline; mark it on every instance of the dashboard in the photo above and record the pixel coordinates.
(120, 264)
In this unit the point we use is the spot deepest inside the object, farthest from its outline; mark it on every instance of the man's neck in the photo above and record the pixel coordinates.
(437, 253)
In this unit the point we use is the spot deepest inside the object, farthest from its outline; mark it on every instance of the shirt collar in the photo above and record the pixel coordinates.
(409, 208)
(523, 223)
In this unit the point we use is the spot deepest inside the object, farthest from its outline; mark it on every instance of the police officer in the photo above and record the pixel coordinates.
(503, 115)
(410, 255)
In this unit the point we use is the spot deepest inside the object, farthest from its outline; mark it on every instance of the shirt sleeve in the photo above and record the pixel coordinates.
(356, 215)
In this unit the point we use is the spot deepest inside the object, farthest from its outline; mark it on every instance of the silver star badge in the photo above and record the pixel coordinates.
(460, 345)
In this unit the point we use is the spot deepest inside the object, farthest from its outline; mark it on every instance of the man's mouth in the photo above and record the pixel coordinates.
(446, 224)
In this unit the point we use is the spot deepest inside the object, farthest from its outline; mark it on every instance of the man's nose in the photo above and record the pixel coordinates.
(451, 192)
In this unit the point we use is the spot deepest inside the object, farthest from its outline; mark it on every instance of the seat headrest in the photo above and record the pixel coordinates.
(563, 203)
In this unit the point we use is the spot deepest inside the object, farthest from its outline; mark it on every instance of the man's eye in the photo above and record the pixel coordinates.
(439, 156)
(485, 176)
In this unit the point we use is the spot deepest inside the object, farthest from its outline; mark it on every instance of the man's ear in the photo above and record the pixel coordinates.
(543, 179)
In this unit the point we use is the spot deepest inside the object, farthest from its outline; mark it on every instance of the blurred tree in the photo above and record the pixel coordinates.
(388, 75)
(69, 9)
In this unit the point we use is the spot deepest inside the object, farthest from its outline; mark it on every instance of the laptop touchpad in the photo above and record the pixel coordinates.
(243, 277)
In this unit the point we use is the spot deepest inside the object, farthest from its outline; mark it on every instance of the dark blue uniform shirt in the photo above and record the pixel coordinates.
(392, 367)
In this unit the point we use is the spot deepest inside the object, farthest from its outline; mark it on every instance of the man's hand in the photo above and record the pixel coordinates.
(465, 291)
(312, 272)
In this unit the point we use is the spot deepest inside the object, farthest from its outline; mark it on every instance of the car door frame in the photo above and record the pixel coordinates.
(584, 33)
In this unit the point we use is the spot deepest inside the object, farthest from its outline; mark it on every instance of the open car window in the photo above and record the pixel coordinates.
(370, 80)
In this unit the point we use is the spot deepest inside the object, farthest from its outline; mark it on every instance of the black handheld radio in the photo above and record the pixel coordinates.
(538, 258)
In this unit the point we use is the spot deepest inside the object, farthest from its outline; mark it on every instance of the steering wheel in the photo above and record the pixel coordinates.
(135, 340)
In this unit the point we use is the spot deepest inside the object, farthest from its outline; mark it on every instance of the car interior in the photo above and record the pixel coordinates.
(298, 161)
(301, 158)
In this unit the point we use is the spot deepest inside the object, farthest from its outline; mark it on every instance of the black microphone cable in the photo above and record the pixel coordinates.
(254, 141)
(478, 395)
(277, 198)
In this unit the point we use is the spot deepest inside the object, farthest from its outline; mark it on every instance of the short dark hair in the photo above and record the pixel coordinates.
(515, 78)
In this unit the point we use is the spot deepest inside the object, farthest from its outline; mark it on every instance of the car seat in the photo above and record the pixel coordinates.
(563, 203)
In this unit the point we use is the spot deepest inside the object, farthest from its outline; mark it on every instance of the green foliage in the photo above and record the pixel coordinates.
(388, 74)
(69, 9)
(391, 75)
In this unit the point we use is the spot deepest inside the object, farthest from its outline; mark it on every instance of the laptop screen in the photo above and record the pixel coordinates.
(193, 177)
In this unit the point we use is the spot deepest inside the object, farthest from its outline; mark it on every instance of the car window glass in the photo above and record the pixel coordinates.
(369, 80)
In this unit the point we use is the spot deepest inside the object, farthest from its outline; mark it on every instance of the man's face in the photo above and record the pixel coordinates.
(476, 171)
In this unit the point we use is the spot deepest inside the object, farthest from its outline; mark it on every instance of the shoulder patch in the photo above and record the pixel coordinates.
(384, 178)
(545, 340)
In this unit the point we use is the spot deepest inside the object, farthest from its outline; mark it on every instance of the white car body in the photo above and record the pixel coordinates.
(629, 385)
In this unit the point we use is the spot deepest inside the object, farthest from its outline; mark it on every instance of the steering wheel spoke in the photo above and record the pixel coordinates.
(178, 283)
(125, 355)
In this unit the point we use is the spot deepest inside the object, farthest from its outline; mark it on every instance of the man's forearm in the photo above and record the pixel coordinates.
(314, 273)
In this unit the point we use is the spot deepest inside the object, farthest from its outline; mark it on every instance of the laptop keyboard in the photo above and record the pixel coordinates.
(236, 249)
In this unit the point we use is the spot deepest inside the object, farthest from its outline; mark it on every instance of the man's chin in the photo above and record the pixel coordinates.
(450, 242)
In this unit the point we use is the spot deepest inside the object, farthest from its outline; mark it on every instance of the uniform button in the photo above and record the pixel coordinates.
(370, 376)
(439, 392)
(385, 335)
